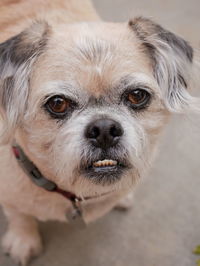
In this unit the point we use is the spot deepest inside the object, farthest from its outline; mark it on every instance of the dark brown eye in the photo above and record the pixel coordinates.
(58, 106)
(138, 98)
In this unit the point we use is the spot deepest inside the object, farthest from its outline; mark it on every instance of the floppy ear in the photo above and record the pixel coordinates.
(172, 62)
(17, 56)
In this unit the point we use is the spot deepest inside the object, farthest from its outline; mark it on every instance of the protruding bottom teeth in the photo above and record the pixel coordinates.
(105, 163)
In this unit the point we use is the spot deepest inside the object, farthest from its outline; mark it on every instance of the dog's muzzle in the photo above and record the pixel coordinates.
(104, 136)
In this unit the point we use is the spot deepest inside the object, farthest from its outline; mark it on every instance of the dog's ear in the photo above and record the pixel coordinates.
(17, 56)
(172, 63)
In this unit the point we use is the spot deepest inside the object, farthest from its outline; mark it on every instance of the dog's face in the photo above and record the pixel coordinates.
(88, 101)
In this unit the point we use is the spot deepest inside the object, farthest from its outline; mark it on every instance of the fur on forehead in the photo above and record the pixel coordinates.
(92, 59)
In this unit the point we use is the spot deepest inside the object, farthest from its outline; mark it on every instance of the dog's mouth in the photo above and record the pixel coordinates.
(105, 171)
(106, 166)
(106, 163)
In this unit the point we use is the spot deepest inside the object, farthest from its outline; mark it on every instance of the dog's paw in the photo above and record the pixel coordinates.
(125, 203)
(21, 246)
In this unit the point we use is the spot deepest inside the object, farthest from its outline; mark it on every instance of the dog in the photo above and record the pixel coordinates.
(83, 103)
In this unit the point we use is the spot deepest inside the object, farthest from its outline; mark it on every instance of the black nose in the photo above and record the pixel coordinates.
(104, 133)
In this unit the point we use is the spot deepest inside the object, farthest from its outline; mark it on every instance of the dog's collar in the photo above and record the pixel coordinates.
(37, 178)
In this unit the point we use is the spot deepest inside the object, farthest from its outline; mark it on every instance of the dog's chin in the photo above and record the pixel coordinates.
(105, 171)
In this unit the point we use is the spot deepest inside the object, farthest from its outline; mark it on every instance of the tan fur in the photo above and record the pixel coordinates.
(16, 15)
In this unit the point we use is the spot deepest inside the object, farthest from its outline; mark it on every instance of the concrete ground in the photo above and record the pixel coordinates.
(163, 226)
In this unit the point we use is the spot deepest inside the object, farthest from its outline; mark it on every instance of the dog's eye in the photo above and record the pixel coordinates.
(59, 105)
(137, 98)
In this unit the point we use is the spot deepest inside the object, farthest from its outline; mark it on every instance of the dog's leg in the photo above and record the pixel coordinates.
(22, 240)
(126, 202)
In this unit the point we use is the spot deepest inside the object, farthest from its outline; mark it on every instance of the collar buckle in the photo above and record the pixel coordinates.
(75, 216)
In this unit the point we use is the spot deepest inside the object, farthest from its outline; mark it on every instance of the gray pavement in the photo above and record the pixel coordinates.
(162, 228)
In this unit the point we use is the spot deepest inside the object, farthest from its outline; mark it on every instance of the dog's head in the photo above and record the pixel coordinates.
(88, 101)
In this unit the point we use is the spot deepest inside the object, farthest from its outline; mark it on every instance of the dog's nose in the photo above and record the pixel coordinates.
(104, 133)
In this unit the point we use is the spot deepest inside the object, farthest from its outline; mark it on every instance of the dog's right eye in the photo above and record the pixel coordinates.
(59, 106)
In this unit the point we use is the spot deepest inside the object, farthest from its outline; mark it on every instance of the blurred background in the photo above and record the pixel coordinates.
(163, 227)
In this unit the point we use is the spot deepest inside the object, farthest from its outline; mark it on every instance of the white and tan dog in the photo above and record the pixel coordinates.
(82, 105)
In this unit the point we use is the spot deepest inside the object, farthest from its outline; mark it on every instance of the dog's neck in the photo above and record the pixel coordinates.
(37, 177)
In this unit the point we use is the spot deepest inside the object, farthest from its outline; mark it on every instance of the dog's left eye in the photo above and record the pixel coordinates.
(59, 105)
(137, 99)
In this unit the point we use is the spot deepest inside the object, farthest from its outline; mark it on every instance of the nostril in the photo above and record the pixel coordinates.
(93, 133)
(116, 131)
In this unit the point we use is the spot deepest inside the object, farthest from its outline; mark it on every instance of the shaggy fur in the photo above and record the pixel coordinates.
(69, 51)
